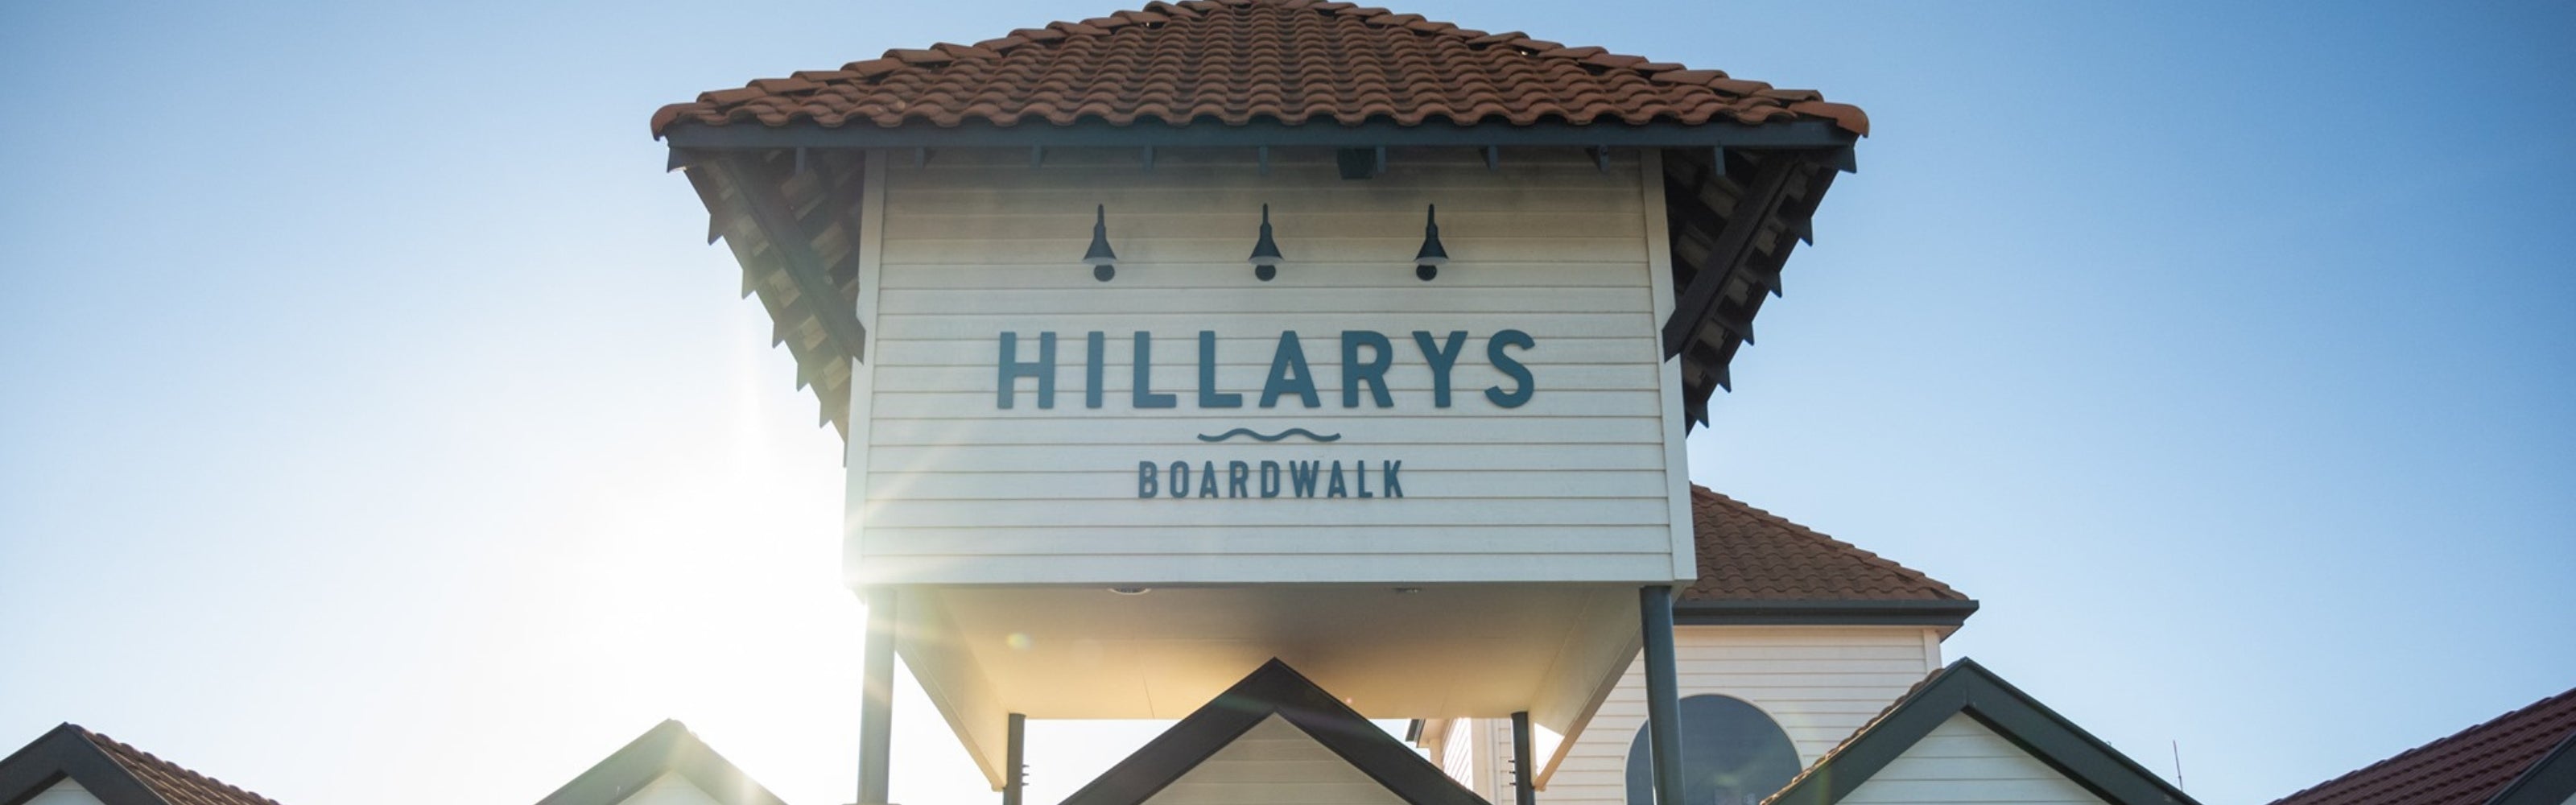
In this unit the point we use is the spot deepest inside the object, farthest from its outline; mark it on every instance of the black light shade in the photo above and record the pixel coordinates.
(1103, 261)
(1427, 262)
(1265, 252)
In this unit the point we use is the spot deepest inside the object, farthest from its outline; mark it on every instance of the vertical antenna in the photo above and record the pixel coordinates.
(2177, 755)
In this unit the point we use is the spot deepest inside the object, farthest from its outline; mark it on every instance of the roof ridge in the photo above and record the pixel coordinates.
(1158, 13)
(123, 752)
(2397, 760)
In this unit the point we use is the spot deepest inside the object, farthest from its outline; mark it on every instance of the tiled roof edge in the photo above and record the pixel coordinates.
(1858, 552)
(1805, 102)
(2443, 742)
(125, 754)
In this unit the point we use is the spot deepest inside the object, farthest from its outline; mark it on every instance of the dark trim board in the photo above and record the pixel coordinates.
(1273, 689)
(670, 748)
(1822, 613)
(977, 134)
(1966, 687)
(2548, 781)
(67, 752)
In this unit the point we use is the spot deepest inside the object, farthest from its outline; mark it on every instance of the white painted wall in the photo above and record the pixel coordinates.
(66, 792)
(669, 789)
(1274, 763)
(1963, 761)
(1575, 485)
(1821, 683)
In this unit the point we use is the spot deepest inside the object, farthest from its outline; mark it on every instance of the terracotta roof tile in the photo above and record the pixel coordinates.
(1239, 61)
(2471, 766)
(1747, 554)
(175, 785)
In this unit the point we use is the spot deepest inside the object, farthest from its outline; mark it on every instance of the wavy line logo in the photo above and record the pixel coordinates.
(1257, 436)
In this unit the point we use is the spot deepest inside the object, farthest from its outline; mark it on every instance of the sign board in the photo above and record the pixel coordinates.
(1021, 421)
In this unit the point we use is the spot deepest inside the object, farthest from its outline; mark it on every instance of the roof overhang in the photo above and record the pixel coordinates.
(667, 748)
(1945, 614)
(1798, 134)
(1968, 688)
(66, 752)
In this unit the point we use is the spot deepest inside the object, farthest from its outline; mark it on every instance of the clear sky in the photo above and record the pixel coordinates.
(375, 425)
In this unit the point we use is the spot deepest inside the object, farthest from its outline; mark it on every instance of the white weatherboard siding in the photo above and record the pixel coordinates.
(1821, 683)
(1963, 761)
(1466, 752)
(66, 792)
(1573, 486)
(1274, 764)
(669, 789)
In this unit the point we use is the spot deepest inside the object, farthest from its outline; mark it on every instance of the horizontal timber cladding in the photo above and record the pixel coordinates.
(1820, 683)
(1510, 419)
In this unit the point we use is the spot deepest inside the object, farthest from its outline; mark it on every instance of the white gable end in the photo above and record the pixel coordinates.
(669, 789)
(66, 792)
(1274, 763)
(1963, 761)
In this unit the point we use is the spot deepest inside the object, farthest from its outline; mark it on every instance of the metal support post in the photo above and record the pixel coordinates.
(876, 702)
(1015, 767)
(1663, 700)
(1523, 793)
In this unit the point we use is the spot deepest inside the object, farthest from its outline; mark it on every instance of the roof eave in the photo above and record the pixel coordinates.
(1968, 688)
(66, 752)
(1803, 134)
(1823, 613)
(667, 748)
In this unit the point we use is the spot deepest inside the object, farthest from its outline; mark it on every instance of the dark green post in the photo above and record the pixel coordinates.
(1663, 699)
(1523, 793)
(1015, 760)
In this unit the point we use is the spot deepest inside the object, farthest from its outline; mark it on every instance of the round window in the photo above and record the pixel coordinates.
(1732, 754)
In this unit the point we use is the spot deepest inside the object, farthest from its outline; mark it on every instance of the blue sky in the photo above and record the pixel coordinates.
(373, 408)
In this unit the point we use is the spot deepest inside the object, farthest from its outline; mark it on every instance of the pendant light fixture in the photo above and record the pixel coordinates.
(1265, 252)
(1427, 262)
(1103, 261)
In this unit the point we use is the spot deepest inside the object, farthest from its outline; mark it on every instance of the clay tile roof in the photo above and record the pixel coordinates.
(1232, 63)
(1747, 554)
(161, 779)
(2473, 766)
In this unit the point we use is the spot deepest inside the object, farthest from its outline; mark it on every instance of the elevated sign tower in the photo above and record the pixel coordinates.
(1170, 342)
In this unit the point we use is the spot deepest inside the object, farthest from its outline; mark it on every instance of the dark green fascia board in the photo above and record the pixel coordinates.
(1274, 689)
(64, 752)
(1822, 613)
(1966, 687)
(1791, 134)
(2548, 781)
(667, 748)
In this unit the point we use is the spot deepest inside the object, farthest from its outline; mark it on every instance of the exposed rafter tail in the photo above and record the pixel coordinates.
(806, 372)
(1742, 327)
(768, 208)
(1764, 278)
